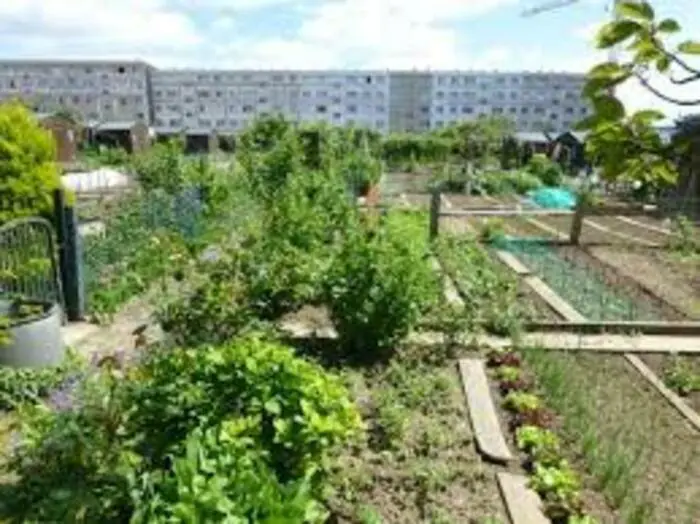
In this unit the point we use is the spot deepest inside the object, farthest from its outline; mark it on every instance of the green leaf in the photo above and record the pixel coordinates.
(647, 116)
(615, 32)
(663, 64)
(609, 70)
(689, 47)
(668, 25)
(635, 9)
(587, 123)
(608, 107)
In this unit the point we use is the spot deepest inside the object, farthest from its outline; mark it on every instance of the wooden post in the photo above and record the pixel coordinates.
(435, 198)
(577, 223)
(70, 257)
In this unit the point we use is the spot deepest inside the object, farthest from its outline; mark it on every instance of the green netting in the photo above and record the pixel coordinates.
(583, 287)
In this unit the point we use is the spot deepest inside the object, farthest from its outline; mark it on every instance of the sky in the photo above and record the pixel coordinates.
(328, 34)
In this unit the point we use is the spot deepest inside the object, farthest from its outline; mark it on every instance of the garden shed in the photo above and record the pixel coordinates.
(570, 150)
(132, 136)
(533, 142)
(66, 134)
(200, 141)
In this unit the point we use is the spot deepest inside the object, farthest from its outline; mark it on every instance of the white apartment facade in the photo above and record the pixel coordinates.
(103, 91)
(534, 101)
(226, 101)
(206, 101)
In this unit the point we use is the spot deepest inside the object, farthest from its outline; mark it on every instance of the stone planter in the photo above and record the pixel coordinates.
(35, 341)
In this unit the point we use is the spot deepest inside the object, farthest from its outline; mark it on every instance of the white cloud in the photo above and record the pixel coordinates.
(54, 27)
(399, 34)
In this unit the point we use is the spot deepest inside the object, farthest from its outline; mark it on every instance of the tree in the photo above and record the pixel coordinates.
(627, 146)
(28, 171)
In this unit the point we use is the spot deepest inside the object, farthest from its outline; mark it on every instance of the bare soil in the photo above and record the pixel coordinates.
(675, 281)
(642, 453)
(632, 230)
(419, 462)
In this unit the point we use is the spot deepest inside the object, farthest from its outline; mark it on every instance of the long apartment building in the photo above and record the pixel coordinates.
(206, 101)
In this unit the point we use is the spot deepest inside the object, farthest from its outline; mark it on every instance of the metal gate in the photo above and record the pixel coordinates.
(29, 261)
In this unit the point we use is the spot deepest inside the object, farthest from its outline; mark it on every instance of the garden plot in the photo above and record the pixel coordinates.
(596, 291)
(419, 462)
(639, 451)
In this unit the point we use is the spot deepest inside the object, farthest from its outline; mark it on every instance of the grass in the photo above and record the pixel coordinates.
(418, 463)
(641, 454)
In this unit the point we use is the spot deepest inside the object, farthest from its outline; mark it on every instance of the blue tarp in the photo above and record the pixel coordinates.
(553, 198)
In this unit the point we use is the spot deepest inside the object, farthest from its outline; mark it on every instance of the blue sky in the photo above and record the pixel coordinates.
(401, 34)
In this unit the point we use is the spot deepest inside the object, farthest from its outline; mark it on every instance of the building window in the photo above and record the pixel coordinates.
(439, 110)
(368, 80)
(453, 110)
(352, 109)
(247, 109)
(121, 70)
(337, 116)
(321, 109)
(466, 110)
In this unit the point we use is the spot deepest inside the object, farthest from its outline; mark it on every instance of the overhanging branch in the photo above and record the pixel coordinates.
(645, 83)
(694, 74)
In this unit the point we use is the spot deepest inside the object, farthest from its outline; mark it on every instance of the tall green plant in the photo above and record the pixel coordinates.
(28, 171)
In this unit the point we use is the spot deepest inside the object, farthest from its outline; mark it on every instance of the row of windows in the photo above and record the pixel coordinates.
(28, 71)
(525, 110)
(249, 108)
(235, 123)
(513, 95)
(204, 93)
(505, 79)
(72, 83)
(264, 79)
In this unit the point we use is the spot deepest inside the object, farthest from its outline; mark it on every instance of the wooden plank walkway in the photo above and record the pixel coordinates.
(522, 503)
(487, 430)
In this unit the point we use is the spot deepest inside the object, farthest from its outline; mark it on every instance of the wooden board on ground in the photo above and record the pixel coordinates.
(489, 437)
(523, 504)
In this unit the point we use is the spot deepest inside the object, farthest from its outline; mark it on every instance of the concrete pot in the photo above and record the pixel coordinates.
(34, 342)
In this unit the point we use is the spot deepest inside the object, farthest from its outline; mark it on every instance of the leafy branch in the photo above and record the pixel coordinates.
(627, 146)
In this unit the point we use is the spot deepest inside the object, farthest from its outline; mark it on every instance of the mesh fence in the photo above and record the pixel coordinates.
(585, 288)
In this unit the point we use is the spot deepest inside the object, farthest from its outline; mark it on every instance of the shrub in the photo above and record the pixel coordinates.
(377, 287)
(547, 171)
(508, 182)
(214, 313)
(222, 476)
(161, 167)
(28, 172)
(242, 432)
(302, 412)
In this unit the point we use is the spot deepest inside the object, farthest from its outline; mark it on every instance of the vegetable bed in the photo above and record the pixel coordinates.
(597, 293)
(639, 451)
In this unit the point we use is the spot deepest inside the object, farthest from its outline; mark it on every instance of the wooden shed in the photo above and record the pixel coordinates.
(198, 141)
(66, 133)
(570, 150)
(533, 142)
(132, 136)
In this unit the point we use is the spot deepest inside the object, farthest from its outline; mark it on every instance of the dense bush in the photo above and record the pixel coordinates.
(378, 285)
(547, 171)
(508, 182)
(242, 431)
(488, 290)
(28, 171)
(402, 150)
